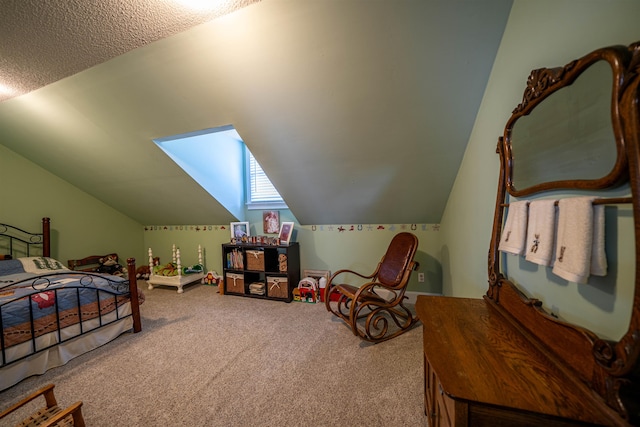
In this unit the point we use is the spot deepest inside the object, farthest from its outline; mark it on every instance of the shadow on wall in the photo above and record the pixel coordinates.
(432, 269)
(446, 275)
(54, 239)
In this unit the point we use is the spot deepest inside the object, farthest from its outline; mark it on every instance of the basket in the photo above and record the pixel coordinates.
(234, 283)
(255, 260)
(277, 287)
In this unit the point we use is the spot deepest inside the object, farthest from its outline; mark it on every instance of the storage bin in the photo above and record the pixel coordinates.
(255, 260)
(277, 287)
(234, 283)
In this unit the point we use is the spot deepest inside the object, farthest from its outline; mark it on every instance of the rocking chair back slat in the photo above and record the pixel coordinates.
(395, 262)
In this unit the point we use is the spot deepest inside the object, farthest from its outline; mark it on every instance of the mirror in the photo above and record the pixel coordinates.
(569, 135)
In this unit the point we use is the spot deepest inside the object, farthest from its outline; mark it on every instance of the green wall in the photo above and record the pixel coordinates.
(544, 33)
(322, 247)
(80, 224)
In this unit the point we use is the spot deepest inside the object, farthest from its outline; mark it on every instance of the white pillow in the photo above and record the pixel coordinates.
(41, 264)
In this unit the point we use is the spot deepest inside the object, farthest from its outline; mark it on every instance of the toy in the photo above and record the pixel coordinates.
(308, 289)
(196, 268)
(109, 265)
(211, 278)
(282, 263)
(144, 271)
(171, 269)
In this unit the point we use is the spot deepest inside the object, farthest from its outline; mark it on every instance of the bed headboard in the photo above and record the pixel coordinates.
(90, 263)
(607, 161)
(20, 243)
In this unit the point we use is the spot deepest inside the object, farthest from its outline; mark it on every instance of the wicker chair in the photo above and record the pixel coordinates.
(367, 309)
(51, 414)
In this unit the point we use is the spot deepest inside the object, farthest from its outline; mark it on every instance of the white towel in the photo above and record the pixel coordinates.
(598, 255)
(575, 239)
(514, 233)
(541, 229)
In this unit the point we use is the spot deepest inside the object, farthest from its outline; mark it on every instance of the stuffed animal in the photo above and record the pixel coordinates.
(171, 269)
(192, 269)
(143, 272)
(282, 263)
(109, 265)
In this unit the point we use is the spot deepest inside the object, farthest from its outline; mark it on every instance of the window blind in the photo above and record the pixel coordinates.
(261, 190)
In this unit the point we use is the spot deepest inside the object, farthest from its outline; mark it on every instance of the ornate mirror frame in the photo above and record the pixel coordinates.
(611, 369)
(543, 83)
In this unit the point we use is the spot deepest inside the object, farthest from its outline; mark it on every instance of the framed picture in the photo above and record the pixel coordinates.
(271, 222)
(239, 231)
(286, 229)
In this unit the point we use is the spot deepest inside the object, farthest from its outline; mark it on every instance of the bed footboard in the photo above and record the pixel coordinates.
(50, 318)
(137, 297)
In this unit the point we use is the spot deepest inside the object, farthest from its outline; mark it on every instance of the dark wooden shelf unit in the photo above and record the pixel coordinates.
(239, 277)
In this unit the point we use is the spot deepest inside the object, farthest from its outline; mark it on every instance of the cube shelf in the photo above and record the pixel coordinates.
(275, 266)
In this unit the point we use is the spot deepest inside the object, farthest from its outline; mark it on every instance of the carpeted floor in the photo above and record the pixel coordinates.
(203, 359)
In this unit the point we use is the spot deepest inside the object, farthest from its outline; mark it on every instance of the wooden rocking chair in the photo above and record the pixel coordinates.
(49, 415)
(381, 298)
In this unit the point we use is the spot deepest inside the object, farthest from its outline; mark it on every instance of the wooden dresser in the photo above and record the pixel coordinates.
(502, 360)
(482, 370)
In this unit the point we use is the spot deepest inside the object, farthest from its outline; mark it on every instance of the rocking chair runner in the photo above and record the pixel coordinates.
(379, 299)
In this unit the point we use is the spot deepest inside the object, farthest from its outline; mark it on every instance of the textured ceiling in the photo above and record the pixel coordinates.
(44, 41)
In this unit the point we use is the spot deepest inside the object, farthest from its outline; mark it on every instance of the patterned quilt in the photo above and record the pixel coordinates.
(54, 299)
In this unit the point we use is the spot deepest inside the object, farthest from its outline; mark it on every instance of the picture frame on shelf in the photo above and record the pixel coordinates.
(239, 231)
(271, 222)
(286, 230)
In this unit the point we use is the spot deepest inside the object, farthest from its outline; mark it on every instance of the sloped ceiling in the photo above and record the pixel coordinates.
(358, 111)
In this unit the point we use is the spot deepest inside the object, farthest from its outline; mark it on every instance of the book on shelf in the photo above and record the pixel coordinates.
(235, 260)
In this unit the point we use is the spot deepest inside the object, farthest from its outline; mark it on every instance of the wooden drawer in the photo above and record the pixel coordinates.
(438, 406)
(445, 408)
(429, 390)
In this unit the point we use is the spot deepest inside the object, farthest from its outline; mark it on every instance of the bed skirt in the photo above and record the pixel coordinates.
(39, 363)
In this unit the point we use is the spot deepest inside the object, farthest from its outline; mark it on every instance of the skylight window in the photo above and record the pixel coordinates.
(220, 162)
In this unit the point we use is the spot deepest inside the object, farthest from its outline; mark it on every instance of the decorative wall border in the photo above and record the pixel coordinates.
(195, 228)
(373, 227)
(339, 228)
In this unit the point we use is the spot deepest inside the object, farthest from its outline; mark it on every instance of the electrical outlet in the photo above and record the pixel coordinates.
(420, 277)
